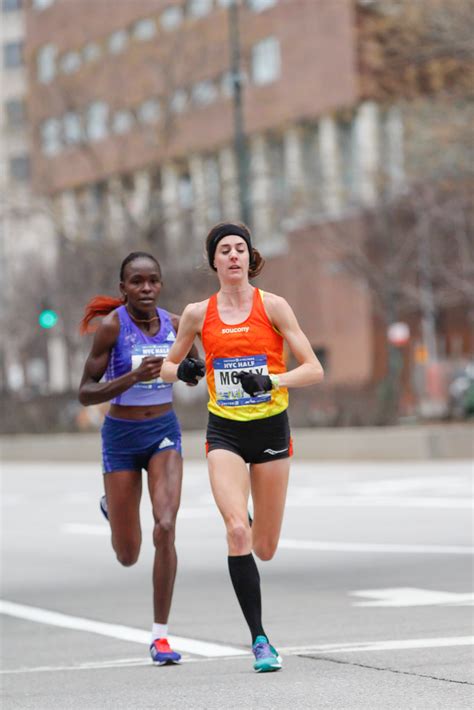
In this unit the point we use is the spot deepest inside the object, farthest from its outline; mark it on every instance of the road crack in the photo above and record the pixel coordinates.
(383, 668)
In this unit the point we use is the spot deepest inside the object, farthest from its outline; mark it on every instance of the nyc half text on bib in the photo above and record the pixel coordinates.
(141, 350)
(229, 392)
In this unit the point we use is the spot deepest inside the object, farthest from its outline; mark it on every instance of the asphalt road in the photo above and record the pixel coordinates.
(369, 597)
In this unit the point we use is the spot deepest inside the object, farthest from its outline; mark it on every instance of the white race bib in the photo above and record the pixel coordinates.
(141, 350)
(229, 392)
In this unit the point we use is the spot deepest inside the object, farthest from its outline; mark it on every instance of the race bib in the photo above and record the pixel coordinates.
(141, 350)
(229, 392)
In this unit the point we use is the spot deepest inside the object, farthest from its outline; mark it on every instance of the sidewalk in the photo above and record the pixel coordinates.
(437, 441)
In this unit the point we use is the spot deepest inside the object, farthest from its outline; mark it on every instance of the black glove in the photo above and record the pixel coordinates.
(190, 369)
(255, 384)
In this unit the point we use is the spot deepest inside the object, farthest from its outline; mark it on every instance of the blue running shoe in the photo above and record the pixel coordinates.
(266, 657)
(103, 507)
(162, 654)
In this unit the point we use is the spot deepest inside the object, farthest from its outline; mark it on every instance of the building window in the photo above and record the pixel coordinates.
(311, 155)
(97, 116)
(149, 111)
(204, 93)
(199, 8)
(144, 29)
(46, 63)
(347, 158)
(275, 154)
(72, 128)
(179, 101)
(213, 190)
(51, 136)
(15, 111)
(42, 4)
(91, 52)
(12, 55)
(117, 42)
(259, 5)
(11, 5)
(185, 192)
(122, 121)
(70, 62)
(266, 61)
(20, 168)
(172, 17)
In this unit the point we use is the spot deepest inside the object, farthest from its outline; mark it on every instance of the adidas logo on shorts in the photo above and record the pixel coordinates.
(166, 442)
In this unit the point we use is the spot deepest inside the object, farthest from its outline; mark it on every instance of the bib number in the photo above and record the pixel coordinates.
(229, 392)
(140, 351)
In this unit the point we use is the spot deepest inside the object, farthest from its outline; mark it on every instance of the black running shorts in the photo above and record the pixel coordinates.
(256, 441)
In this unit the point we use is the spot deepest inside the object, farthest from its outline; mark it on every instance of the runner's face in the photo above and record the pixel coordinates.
(232, 258)
(142, 284)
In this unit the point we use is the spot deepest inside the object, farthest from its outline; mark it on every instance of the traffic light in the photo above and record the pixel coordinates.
(48, 318)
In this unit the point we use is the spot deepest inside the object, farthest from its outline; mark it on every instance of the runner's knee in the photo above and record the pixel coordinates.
(239, 537)
(127, 554)
(265, 549)
(164, 531)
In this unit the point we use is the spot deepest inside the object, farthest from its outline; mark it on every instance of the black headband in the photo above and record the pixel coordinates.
(224, 231)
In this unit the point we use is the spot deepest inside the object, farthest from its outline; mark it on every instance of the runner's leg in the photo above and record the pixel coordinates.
(165, 472)
(269, 483)
(123, 490)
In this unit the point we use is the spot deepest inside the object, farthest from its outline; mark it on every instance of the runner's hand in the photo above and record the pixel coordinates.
(254, 384)
(149, 368)
(190, 370)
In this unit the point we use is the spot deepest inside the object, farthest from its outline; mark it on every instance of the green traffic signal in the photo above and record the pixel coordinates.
(48, 319)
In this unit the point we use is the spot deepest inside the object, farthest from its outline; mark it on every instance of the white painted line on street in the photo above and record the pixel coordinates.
(328, 648)
(320, 546)
(125, 633)
(411, 596)
(114, 663)
(364, 501)
(395, 645)
(85, 529)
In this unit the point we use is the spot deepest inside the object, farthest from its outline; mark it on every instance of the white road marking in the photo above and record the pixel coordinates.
(412, 596)
(316, 545)
(368, 501)
(395, 645)
(328, 648)
(125, 633)
(320, 546)
(86, 529)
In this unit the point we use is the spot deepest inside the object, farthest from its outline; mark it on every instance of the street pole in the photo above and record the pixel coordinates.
(240, 142)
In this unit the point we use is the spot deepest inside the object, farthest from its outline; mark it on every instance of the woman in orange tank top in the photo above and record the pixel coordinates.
(243, 330)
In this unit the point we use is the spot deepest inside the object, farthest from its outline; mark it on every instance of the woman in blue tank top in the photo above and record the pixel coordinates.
(141, 429)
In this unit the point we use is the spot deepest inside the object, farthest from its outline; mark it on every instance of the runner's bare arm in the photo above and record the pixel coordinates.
(91, 390)
(193, 351)
(309, 370)
(189, 326)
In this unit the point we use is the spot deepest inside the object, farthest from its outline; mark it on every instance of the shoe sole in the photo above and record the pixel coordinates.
(168, 662)
(267, 669)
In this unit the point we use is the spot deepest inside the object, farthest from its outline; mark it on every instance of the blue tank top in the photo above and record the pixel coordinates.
(131, 346)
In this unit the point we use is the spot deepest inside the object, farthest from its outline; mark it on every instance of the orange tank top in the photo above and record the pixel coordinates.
(253, 345)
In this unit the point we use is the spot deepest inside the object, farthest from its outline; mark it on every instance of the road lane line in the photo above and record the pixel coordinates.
(124, 633)
(321, 546)
(395, 645)
(328, 648)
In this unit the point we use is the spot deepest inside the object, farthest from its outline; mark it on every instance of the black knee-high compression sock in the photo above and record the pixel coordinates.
(246, 581)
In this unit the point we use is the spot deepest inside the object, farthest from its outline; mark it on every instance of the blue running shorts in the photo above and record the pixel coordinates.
(128, 445)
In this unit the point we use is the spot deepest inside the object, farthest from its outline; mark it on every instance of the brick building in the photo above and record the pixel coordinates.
(132, 115)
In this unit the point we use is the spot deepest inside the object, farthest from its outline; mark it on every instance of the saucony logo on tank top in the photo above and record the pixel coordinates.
(253, 346)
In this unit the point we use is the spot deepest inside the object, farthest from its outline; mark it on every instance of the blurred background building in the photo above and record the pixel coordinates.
(339, 129)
